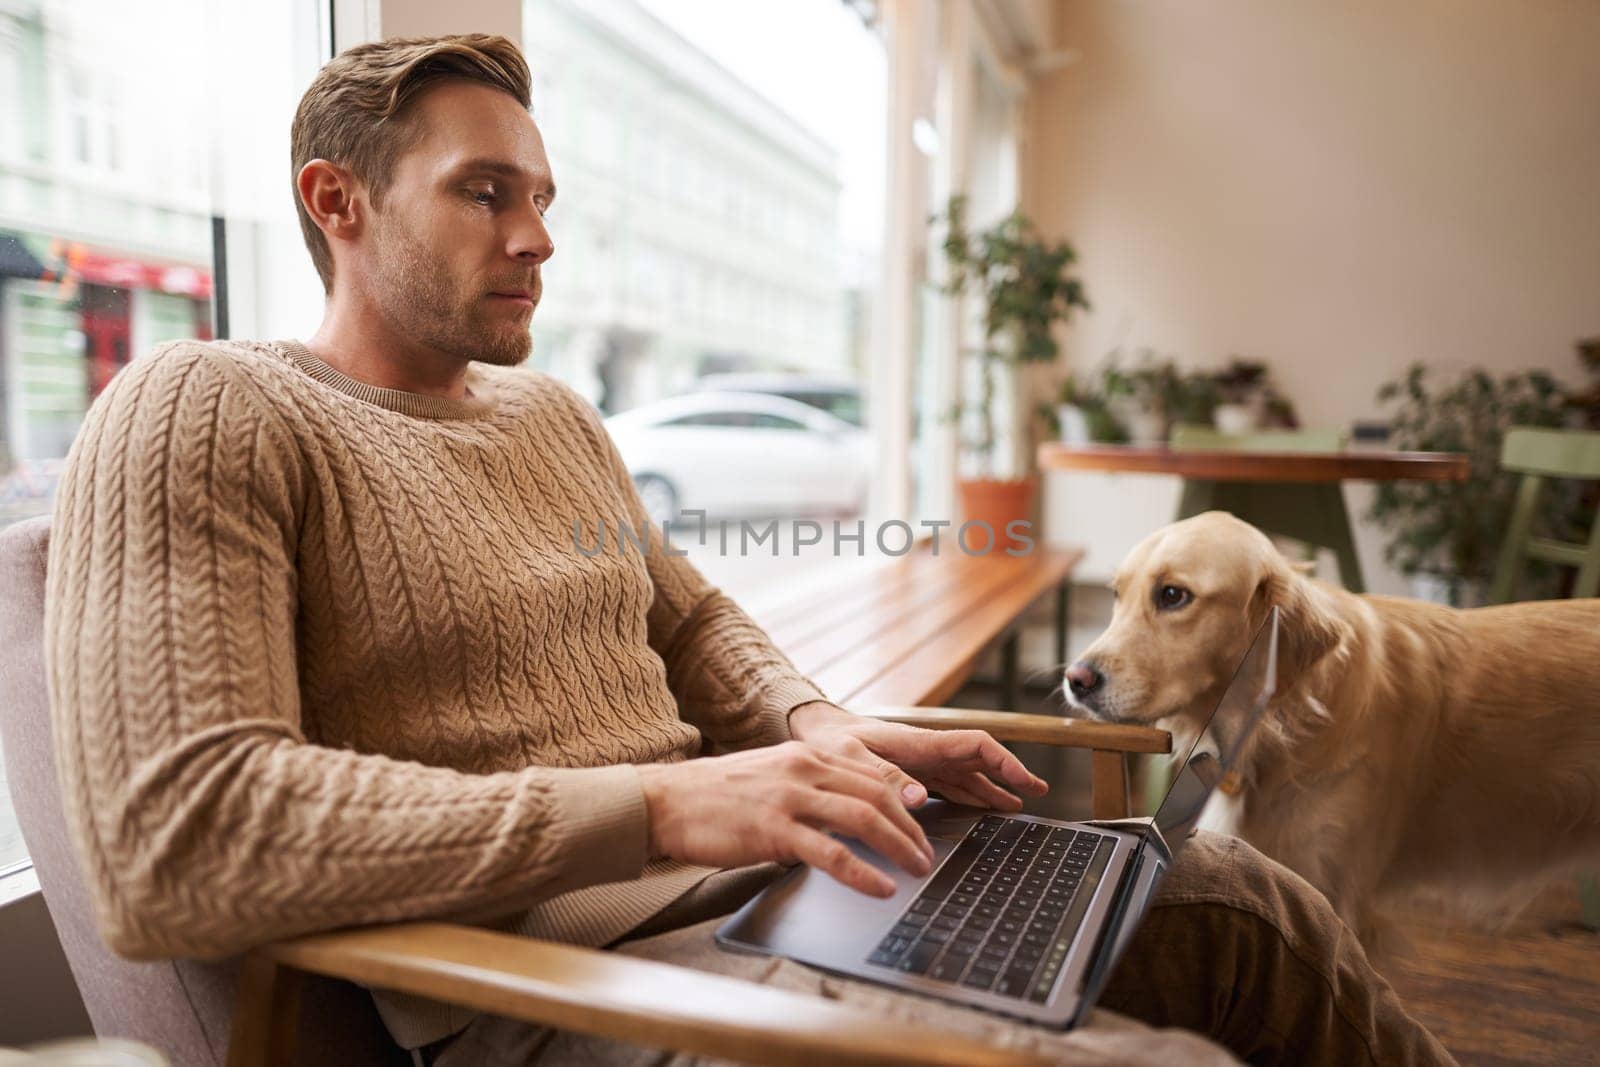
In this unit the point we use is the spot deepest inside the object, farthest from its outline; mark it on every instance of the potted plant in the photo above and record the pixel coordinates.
(1277, 410)
(1194, 398)
(1143, 393)
(1023, 282)
(1446, 536)
(1240, 386)
(1080, 415)
(1074, 402)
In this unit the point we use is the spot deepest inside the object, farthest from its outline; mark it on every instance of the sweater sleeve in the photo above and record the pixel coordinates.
(205, 820)
(731, 682)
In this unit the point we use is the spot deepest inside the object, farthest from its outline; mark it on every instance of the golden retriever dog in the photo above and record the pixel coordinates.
(1409, 747)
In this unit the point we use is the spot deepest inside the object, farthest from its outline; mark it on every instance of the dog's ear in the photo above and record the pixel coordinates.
(1310, 623)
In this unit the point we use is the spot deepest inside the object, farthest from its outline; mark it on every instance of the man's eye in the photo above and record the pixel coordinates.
(482, 196)
(1171, 597)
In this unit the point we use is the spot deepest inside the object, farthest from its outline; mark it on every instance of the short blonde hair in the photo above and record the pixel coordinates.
(353, 114)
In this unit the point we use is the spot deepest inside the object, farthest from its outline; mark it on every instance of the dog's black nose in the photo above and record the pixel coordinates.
(1083, 679)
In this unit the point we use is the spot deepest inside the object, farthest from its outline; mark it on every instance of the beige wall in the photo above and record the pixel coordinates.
(1337, 188)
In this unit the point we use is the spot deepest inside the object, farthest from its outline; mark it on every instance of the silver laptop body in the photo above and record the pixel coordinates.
(1037, 947)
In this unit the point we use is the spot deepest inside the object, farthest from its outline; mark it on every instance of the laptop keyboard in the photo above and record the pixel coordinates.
(1002, 910)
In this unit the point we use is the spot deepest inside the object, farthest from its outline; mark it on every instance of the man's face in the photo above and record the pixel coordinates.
(454, 258)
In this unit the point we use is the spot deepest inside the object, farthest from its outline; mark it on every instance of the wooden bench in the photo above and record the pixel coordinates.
(909, 632)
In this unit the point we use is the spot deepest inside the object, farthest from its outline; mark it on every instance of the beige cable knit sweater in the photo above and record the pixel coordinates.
(324, 654)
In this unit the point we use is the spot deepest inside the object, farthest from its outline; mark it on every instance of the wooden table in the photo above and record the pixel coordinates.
(1295, 494)
(910, 631)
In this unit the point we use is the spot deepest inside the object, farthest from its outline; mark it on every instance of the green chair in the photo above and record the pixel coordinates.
(1313, 514)
(1538, 455)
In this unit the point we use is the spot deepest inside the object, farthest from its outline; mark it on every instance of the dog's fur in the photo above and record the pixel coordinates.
(1410, 747)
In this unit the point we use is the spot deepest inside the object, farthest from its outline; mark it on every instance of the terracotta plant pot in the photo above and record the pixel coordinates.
(996, 501)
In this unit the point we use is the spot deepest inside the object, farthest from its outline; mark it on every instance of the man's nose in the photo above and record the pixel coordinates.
(530, 241)
(1083, 679)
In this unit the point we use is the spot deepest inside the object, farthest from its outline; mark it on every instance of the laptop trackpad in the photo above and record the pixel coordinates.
(785, 918)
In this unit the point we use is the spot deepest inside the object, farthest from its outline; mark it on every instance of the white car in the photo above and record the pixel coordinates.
(741, 455)
(836, 396)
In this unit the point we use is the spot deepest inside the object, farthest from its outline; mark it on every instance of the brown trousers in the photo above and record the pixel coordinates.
(1235, 947)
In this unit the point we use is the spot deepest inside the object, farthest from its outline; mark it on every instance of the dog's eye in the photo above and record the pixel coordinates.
(1171, 597)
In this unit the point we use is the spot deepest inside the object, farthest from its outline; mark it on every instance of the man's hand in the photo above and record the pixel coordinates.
(960, 764)
(777, 803)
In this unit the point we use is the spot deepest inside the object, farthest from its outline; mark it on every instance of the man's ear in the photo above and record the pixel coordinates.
(1310, 624)
(329, 193)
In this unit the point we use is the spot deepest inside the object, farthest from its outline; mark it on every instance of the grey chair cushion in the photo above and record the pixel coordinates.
(181, 1007)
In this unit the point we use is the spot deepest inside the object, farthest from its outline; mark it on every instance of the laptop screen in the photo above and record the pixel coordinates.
(1216, 747)
(1211, 755)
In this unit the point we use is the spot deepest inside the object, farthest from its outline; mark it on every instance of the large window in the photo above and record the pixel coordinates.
(719, 225)
(138, 142)
(718, 228)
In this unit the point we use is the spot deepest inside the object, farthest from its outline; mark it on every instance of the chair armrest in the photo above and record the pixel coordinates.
(633, 999)
(1045, 729)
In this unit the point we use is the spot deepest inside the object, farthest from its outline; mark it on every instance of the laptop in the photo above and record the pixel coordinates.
(1021, 915)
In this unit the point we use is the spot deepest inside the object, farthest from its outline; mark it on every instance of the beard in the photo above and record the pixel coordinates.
(425, 303)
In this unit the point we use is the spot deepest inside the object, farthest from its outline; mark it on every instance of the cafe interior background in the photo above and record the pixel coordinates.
(1273, 210)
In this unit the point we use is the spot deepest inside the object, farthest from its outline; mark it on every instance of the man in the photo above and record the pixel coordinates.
(323, 651)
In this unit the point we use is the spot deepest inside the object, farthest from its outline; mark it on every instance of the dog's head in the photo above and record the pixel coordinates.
(1189, 599)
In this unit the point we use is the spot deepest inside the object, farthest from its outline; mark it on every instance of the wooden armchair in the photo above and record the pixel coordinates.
(643, 1001)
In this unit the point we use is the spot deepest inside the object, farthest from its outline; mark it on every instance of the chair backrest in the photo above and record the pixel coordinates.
(1538, 455)
(1196, 435)
(181, 1007)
